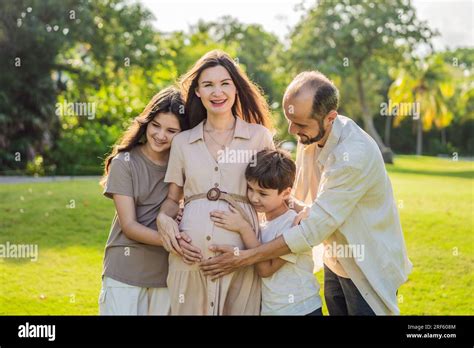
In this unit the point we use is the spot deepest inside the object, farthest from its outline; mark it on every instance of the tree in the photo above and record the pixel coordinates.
(104, 53)
(30, 40)
(350, 38)
(461, 61)
(422, 90)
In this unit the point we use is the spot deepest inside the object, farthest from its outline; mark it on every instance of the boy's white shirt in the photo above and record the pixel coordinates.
(353, 201)
(293, 289)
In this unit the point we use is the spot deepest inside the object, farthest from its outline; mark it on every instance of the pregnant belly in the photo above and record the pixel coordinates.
(197, 224)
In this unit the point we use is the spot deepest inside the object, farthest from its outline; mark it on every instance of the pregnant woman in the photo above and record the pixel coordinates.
(230, 121)
(135, 263)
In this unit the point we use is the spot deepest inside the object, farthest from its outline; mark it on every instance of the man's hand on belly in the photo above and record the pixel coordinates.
(230, 259)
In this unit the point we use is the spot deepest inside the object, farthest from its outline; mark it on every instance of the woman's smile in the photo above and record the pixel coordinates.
(218, 102)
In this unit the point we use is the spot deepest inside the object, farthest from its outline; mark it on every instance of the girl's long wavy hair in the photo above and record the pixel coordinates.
(250, 104)
(167, 100)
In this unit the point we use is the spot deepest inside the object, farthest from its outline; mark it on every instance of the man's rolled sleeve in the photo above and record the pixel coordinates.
(311, 231)
(296, 240)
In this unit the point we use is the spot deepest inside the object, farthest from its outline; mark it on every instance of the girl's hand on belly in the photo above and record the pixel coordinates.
(169, 233)
(179, 217)
(191, 253)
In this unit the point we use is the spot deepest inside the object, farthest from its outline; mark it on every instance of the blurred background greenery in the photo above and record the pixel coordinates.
(108, 54)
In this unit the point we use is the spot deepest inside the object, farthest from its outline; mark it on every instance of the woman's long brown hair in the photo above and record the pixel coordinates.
(168, 100)
(250, 104)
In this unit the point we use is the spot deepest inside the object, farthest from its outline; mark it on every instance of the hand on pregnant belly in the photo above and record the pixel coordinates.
(191, 253)
(169, 232)
(229, 259)
(230, 220)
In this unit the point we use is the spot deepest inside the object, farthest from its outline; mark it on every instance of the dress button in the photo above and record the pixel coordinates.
(208, 237)
(216, 184)
(212, 304)
(216, 169)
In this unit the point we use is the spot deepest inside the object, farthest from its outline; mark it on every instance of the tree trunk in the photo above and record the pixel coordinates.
(369, 127)
(419, 137)
(388, 129)
(443, 136)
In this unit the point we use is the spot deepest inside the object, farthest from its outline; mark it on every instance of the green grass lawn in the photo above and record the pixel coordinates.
(435, 198)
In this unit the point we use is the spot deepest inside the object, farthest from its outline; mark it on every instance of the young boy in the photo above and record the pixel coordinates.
(288, 284)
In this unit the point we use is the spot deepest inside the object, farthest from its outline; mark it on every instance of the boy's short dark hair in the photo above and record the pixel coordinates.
(272, 169)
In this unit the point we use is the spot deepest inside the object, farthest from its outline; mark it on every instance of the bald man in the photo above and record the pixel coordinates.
(346, 202)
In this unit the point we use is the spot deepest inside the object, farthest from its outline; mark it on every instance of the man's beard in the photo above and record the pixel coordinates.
(318, 137)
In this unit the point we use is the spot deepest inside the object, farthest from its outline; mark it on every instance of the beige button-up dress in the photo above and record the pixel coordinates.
(192, 167)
